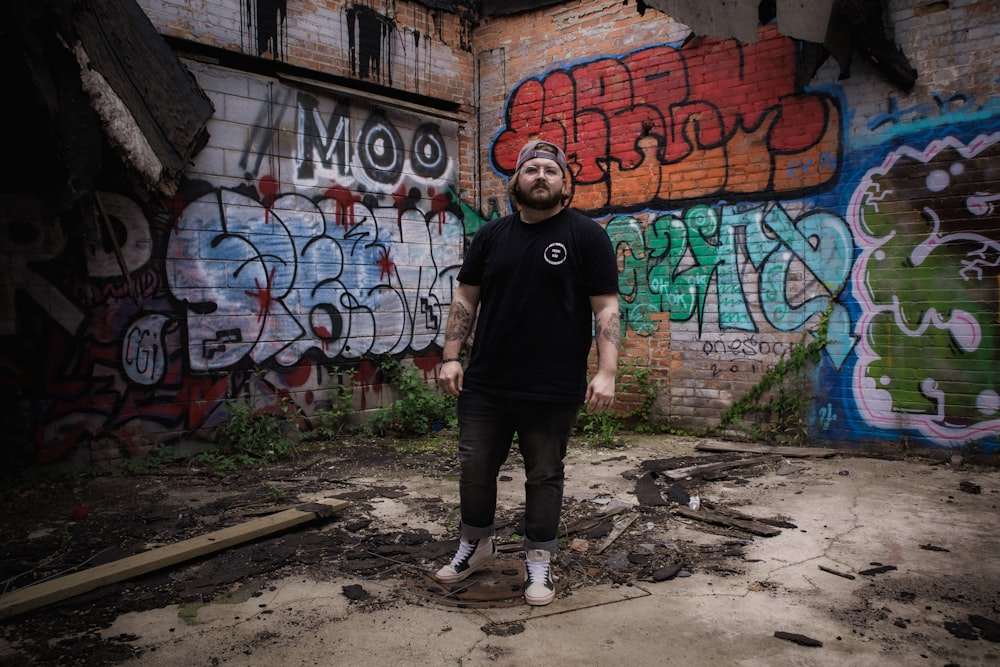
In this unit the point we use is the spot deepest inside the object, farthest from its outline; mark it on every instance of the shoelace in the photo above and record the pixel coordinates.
(538, 571)
(465, 550)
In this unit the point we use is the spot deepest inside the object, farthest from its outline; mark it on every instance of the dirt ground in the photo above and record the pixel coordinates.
(629, 524)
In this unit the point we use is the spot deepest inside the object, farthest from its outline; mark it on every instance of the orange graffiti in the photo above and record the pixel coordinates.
(668, 125)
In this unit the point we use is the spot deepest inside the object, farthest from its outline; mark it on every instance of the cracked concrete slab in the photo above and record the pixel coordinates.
(933, 544)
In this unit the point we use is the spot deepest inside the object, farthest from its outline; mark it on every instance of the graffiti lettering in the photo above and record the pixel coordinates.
(330, 141)
(670, 267)
(380, 149)
(143, 353)
(276, 290)
(27, 237)
(954, 105)
(665, 125)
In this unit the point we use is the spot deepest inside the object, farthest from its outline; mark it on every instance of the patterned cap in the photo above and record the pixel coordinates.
(534, 149)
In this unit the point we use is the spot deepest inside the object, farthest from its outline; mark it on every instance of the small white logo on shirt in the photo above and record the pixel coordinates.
(556, 254)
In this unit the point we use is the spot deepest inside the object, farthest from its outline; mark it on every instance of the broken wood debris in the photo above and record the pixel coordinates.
(970, 487)
(667, 572)
(801, 640)
(830, 570)
(53, 590)
(695, 471)
(748, 526)
(787, 452)
(622, 526)
(647, 492)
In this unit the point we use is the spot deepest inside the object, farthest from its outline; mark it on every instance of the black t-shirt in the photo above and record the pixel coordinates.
(535, 324)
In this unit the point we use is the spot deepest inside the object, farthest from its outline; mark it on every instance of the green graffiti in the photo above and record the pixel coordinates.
(928, 290)
(672, 264)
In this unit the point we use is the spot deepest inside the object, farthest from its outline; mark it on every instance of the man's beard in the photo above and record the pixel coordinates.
(538, 198)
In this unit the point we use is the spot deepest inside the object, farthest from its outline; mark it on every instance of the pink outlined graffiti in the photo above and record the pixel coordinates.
(927, 282)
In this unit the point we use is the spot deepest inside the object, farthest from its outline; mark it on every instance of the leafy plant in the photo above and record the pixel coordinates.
(163, 457)
(418, 410)
(636, 379)
(603, 426)
(782, 418)
(221, 465)
(331, 421)
(259, 433)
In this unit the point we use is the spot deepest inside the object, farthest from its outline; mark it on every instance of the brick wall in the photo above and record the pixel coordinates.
(747, 212)
(323, 224)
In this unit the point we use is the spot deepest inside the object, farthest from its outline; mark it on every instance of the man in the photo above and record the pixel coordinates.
(543, 279)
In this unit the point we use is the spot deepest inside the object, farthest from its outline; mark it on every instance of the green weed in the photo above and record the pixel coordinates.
(780, 400)
(265, 434)
(418, 410)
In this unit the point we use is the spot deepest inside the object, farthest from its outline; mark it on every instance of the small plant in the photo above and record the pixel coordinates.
(261, 434)
(782, 418)
(331, 421)
(419, 408)
(603, 426)
(221, 465)
(636, 379)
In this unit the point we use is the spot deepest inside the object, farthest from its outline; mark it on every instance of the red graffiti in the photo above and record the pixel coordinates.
(366, 378)
(427, 364)
(439, 204)
(663, 125)
(385, 264)
(269, 188)
(346, 200)
(263, 295)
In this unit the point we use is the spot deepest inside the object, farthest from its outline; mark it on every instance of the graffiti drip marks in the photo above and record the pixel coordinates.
(264, 21)
(667, 125)
(927, 281)
(272, 285)
(369, 38)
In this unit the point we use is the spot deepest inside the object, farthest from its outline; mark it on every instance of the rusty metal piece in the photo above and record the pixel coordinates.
(500, 584)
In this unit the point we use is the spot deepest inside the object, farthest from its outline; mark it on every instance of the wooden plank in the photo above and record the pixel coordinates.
(38, 595)
(693, 471)
(752, 527)
(617, 532)
(789, 452)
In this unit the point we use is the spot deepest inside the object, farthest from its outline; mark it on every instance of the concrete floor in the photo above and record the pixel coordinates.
(851, 514)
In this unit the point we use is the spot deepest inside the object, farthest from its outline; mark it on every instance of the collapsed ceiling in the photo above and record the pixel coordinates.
(838, 28)
(99, 75)
(92, 69)
(824, 28)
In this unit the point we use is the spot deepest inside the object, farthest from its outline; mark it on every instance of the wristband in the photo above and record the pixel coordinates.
(444, 361)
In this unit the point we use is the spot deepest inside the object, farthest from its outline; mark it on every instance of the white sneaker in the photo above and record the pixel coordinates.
(538, 586)
(471, 556)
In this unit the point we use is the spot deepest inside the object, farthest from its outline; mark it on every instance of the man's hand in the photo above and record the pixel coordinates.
(450, 377)
(600, 392)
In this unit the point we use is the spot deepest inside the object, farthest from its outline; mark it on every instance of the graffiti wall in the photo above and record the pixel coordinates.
(748, 213)
(313, 235)
(320, 230)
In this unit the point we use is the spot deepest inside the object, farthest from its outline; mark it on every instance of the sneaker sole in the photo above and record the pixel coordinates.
(540, 601)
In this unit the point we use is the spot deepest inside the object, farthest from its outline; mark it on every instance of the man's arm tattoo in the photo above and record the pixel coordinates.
(608, 331)
(459, 322)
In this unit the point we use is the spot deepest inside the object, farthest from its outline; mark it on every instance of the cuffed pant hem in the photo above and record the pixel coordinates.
(470, 533)
(552, 546)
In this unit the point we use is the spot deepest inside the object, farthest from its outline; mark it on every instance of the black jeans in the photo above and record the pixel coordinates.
(487, 425)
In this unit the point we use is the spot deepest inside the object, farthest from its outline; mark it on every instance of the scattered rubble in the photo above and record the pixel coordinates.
(642, 531)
